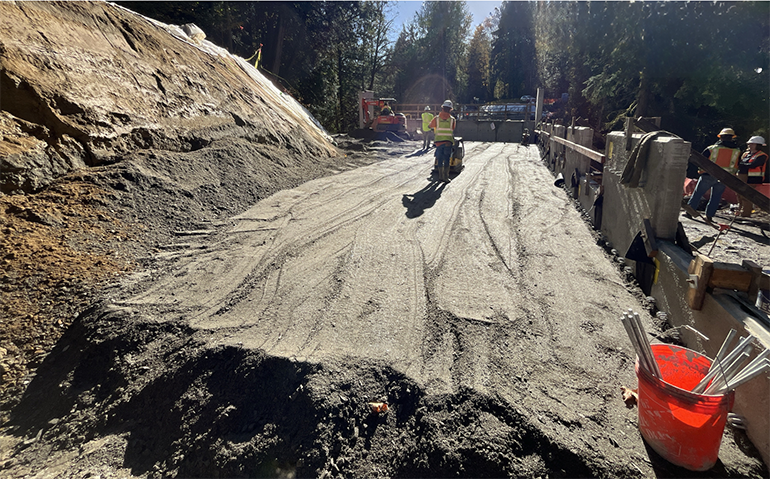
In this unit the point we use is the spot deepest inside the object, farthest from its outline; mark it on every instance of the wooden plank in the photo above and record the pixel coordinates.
(730, 276)
(585, 151)
(764, 281)
(756, 276)
(700, 270)
(760, 201)
(650, 245)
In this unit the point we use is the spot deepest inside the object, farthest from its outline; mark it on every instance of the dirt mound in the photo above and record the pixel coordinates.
(121, 134)
(246, 414)
(62, 245)
(85, 84)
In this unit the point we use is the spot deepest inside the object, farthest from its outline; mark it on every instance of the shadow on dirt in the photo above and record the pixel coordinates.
(417, 203)
(665, 469)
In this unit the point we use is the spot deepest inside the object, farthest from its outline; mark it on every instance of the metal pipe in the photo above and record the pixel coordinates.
(725, 344)
(648, 362)
(639, 327)
(634, 342)
(728, 373)
(745, 378)
(724, 365)
(713, 371)
(757, 362)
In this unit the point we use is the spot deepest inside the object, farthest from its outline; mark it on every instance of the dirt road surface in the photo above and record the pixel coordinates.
(482, 312)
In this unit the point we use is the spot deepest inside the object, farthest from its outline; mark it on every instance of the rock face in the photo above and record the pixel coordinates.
(86, 84)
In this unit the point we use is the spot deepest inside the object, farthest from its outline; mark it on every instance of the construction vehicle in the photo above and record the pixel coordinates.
(377, 120)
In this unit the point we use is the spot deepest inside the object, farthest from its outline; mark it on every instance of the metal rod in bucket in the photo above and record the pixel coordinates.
(636, 333)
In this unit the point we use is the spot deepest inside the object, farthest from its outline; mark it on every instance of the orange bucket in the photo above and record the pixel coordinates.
(683, 427)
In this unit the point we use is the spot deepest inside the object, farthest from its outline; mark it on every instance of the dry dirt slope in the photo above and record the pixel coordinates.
(149, 133)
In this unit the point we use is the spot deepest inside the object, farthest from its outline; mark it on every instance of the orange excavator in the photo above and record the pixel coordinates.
(377, 120)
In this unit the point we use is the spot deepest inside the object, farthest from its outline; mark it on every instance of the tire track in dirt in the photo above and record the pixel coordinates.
(452, 297)
(563, 275)
(446, 354)
(259, 240)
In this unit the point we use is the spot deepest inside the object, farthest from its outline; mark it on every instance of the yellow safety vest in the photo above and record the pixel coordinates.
(426, 118)
(444, 130)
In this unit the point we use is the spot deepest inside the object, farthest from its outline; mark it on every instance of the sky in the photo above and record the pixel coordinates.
(405, 11)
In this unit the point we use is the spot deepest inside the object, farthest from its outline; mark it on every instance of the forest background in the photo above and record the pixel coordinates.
(701, 66)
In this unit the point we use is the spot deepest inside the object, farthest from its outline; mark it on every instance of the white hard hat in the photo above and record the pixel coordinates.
(427, 108)
(758, 140)
(447, 103)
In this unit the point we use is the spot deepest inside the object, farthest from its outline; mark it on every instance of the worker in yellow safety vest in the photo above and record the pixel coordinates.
(427, 133)
(751, 170)
(726, 154)
(444, 126)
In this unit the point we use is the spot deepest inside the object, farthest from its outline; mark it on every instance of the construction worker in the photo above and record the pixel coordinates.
(751, 170)
(444, 125)
(427, 133)
(725, 153)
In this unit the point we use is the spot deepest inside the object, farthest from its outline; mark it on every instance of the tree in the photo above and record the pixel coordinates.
(478, 65)
(375, 46)
(429, 53)
(513, 56)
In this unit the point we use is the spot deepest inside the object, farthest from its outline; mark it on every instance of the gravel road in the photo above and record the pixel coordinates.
(482, 312)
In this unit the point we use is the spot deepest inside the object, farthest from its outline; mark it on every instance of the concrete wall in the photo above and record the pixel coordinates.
(721, 312)
(658, 197)
(508, 131)
(575, 168)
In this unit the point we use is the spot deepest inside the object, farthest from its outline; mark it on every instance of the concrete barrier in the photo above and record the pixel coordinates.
(508, 131)
(658, 198)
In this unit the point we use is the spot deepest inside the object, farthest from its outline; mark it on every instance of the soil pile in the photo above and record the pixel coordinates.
(117, 134)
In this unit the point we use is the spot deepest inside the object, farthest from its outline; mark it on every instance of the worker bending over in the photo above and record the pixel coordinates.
(444, 125)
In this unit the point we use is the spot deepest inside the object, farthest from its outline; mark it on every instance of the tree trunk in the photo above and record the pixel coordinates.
(278, 46)
(641, 99)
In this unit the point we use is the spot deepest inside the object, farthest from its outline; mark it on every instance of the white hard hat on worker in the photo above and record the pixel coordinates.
(447, 104)
(757, 140)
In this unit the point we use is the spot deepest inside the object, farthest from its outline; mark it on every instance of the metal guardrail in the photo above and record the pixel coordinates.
(472, 112)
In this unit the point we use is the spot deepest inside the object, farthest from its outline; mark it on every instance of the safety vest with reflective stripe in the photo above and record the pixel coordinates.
(725, 157)
(757, 173)
(444, 130)
(426, 118)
